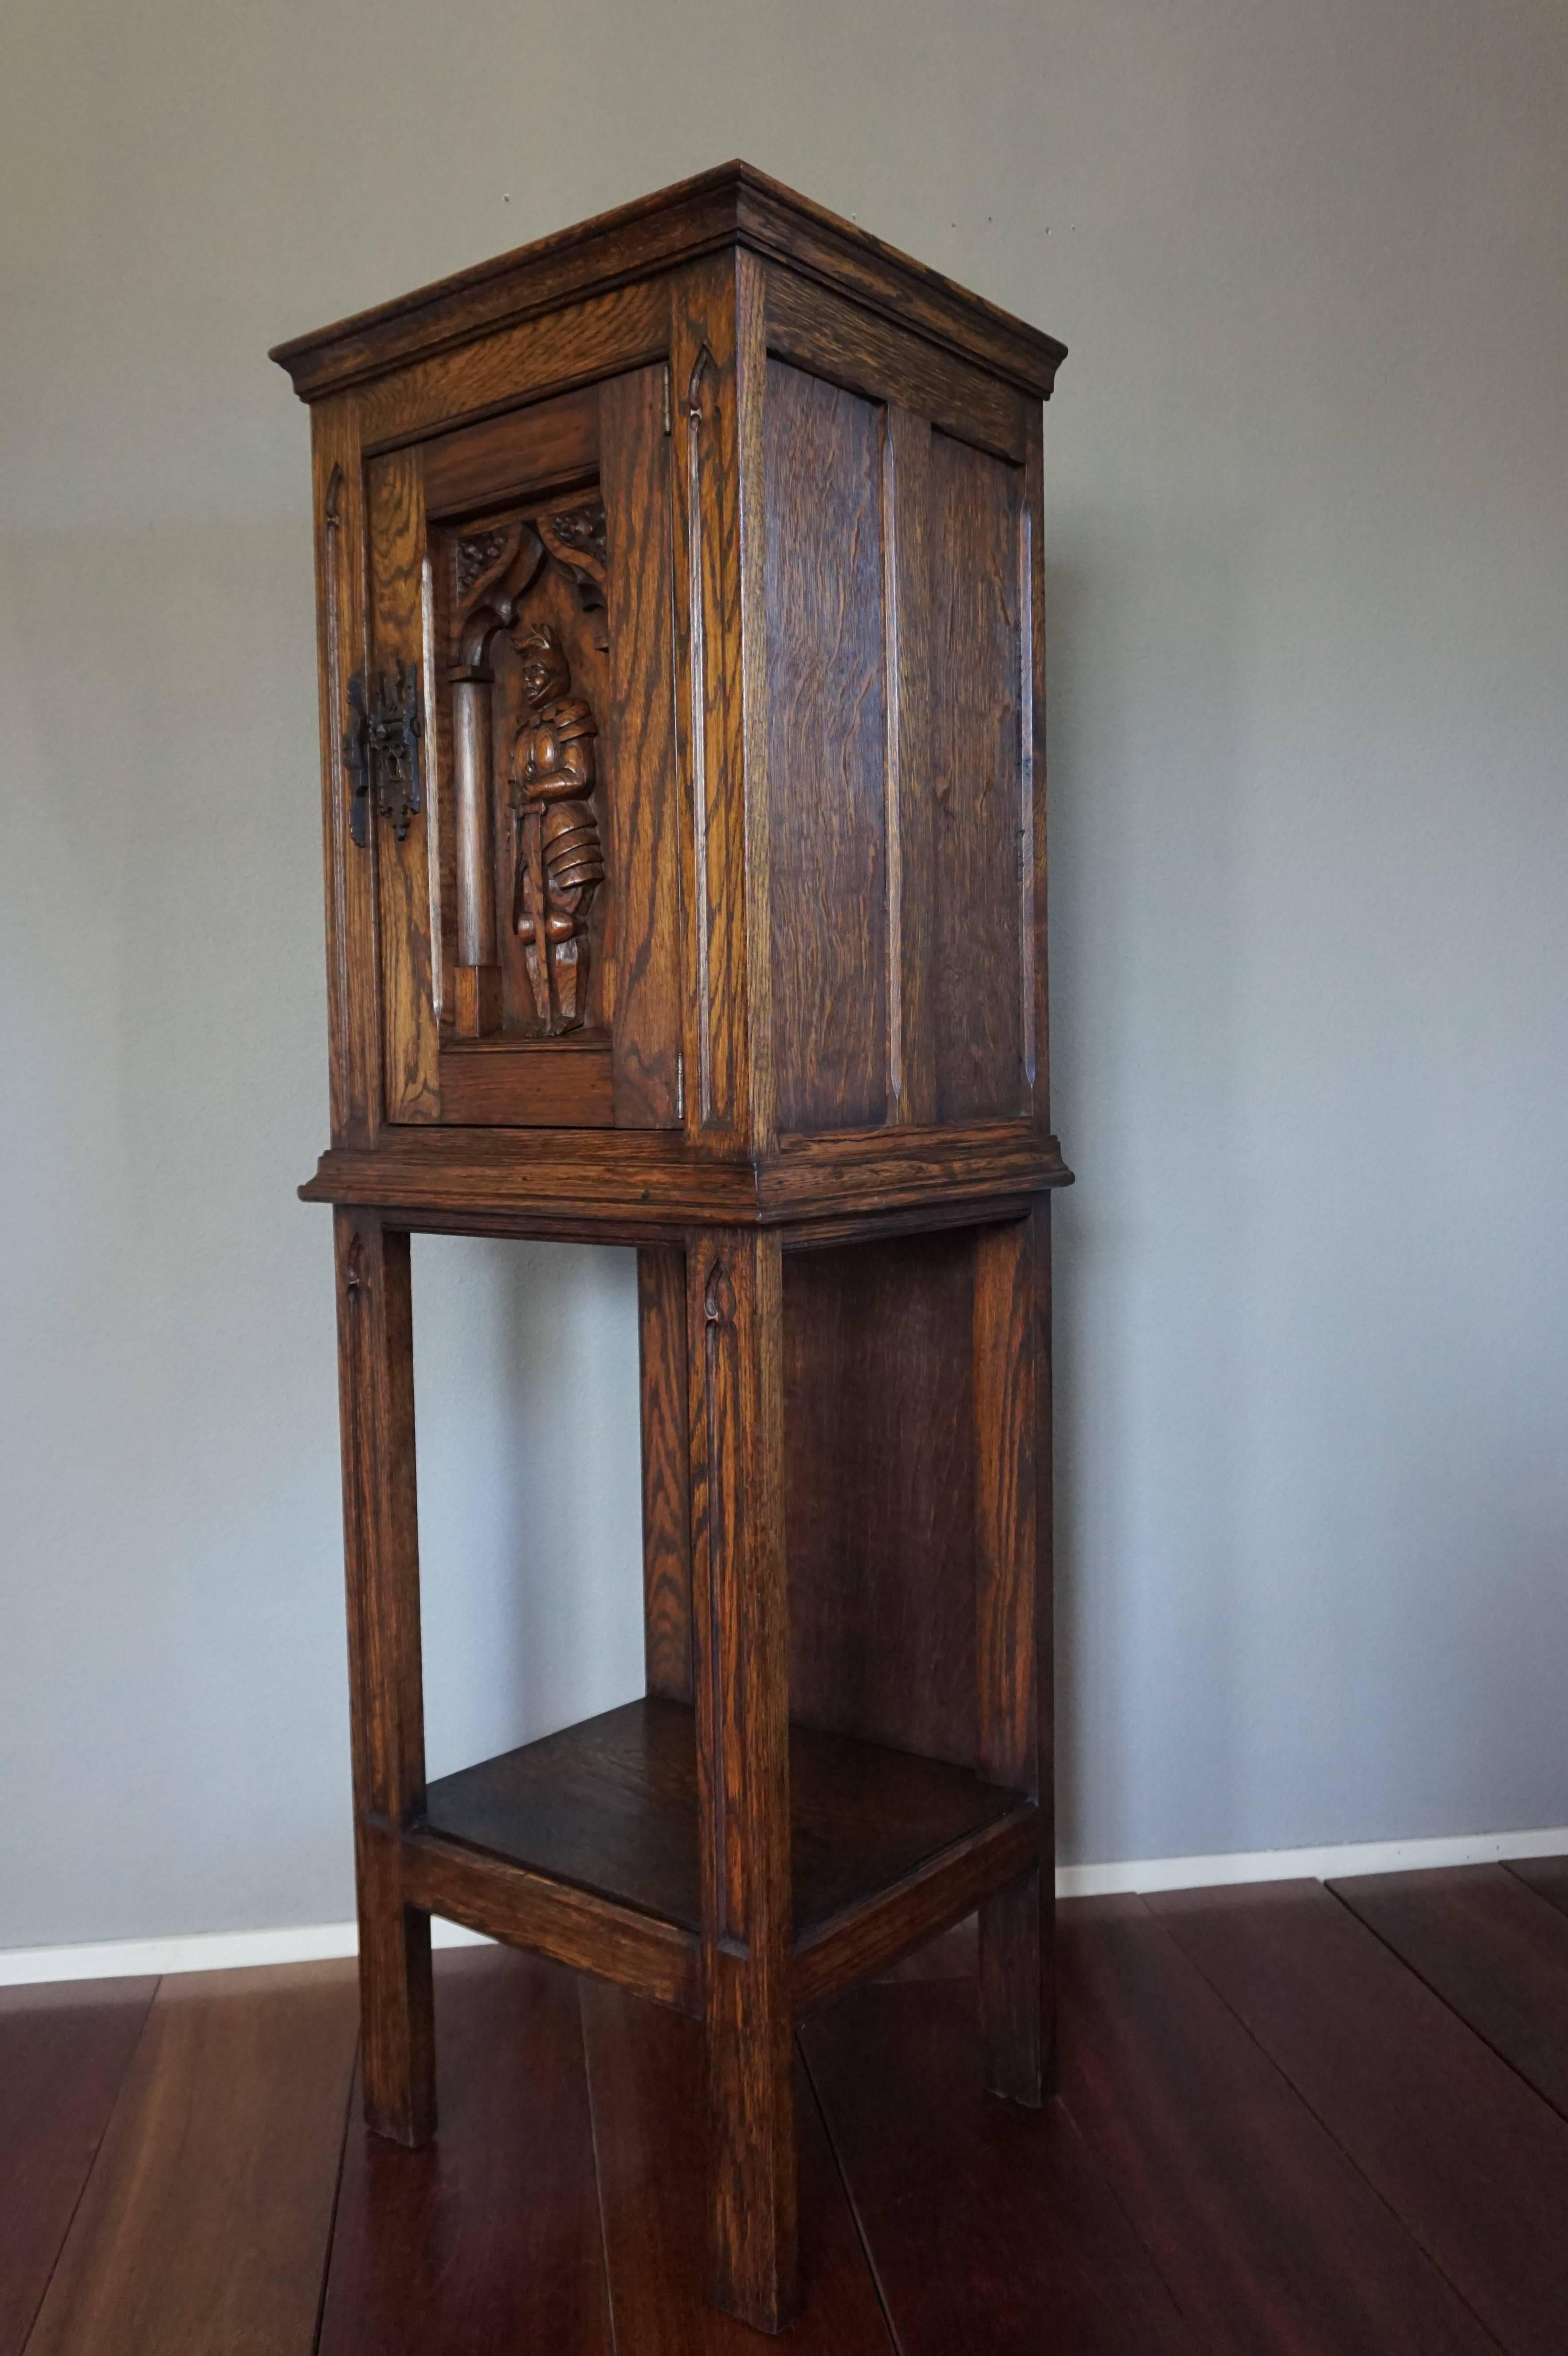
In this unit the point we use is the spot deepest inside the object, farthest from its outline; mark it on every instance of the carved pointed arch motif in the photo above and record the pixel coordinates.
(494, 570)
(528, 792)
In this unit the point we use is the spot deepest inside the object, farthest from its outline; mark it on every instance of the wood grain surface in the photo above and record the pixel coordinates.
(880, 1492)
(991, 2232)
(386, 1689)
(646, 2072)
(976, 756)
(1392, 2073)
(489, 2237)
(1490, 1948)
(396, 535)
(851, 346)
(624, 1185)
(551, 1918)
(826, 751)
(642, 784)
(64, 2052)
(611, 1805)
(1013, 1617)
(1547, 1876)
(901, 1915)
(504, 457)
(600, 335)
(911, 805)
(206, 2223)
(663, 1394)
(708, 359)
(655, 234)
(1272, 2241)
(505, 1082)
(749, 1800)
(1359, 2215)
(353, 976)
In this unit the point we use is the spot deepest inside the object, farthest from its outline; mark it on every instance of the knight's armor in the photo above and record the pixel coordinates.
(560, 859)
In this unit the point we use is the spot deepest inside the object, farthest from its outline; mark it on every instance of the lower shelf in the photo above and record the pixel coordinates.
(884, 1845)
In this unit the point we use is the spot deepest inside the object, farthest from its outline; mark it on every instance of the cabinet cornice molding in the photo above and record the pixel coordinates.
(733, 205)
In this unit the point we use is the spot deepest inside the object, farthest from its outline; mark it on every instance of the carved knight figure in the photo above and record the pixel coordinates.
(559, 858)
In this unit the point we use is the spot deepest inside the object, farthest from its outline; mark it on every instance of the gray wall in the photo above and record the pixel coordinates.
(1309, 486)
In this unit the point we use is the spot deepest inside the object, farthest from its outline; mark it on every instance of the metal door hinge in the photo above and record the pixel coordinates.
(381, 749)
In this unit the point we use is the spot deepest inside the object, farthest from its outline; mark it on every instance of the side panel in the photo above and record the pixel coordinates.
(977, 784)
(905, 770)
(826, 751)
(880, 1508)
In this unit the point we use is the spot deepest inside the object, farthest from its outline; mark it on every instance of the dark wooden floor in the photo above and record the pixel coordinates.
(1291, 2118)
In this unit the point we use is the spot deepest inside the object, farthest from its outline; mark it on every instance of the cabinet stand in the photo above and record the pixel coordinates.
(681, 666)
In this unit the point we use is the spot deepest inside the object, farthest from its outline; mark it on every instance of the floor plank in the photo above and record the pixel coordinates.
(64, 2052)
(1490, 1949)
(1547, 1876)
(1467, 2154)
(991, 2232)
(645, 2068)
(1270, 2239)
(489, 2237)
(205, 2221)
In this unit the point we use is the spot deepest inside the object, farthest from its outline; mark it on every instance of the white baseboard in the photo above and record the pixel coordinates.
(202, 1951)
(217, 1951)
(1330, 1864)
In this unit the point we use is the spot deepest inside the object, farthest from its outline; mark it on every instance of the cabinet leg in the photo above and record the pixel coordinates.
(666, 1470)
(741, 1661)
(1012, 1639)
(1016, 1987)
(375, 1370)
(396, 2002)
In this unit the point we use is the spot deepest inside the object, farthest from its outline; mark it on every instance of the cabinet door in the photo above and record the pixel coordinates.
(526, 839)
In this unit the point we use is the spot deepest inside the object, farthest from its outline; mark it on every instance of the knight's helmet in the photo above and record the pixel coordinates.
(542, 647)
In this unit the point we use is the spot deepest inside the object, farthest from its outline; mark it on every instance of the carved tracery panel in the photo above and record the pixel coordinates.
(527, 642)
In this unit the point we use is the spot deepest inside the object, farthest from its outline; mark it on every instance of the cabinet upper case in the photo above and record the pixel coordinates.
(680, 584)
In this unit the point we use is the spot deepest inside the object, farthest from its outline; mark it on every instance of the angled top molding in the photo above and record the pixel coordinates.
(733, 205)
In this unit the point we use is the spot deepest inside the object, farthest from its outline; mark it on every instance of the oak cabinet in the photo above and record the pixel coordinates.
(681, 636)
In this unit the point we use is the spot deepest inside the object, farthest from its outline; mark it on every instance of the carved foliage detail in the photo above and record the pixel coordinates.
(560, 859)
(476, 556)
(576, 538)
(495, 569)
